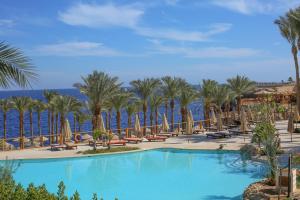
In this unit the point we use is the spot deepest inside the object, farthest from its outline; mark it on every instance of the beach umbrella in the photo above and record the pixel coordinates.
(192, 118)
(244, 123)
(25, 139)
(200, 125)
(101, 124)
(189, 128)
(137, 125)
(219, 122)
(5, 145)
(38, 139)
(291, 127)
(67, 130)
(213, 118)
(165, 124)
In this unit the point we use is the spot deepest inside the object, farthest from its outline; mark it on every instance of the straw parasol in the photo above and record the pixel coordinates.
(101, 124)
(67, 131)
(38, 139)
(200, 125)
(189, 128)
(291, 127)
(165, 124)
(192, 118)
(137, 125)
(25, 139)
(213, 118)
(244, 123)
(219, 122)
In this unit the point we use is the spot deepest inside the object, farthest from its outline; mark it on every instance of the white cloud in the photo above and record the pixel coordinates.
(206, 52)
(256, 6)
(76, 49)
(93, 15)
(171, 2)
(179, 35)
(7, 23)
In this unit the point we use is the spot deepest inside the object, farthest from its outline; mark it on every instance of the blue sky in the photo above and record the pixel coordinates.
(196, 39)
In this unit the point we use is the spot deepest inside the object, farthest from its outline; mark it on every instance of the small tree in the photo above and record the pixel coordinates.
(96, 135)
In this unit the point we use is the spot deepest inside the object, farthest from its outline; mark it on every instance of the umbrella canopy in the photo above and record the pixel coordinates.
(38, 139)
(189, 127)
(213, 118)
(200, 125)
(25, 139)
(101, 124)
(244, 123)
(137, 125)
(165, 124)
(192, 118)
(67, 131)
(219, 122)
(291, 127)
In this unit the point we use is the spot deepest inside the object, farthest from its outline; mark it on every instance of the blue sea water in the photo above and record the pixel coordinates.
(161, 174)
(13, 116)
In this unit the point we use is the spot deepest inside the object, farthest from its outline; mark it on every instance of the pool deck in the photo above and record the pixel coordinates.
(199, 141)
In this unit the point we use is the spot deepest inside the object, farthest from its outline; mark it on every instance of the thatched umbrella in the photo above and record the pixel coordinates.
(67, 131)
(291, 127)
(213, 118)
(101, 124)
(219, 122)
(192, 118)
(189, 128)
(165, 124)
(244, 123)
(137, 125)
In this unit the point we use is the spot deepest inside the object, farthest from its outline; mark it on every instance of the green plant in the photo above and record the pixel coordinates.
(96, 135)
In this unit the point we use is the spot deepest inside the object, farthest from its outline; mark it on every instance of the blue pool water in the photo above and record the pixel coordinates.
(162, 174)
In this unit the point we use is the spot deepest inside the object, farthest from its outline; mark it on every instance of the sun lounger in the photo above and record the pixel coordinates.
(98, 143)
(58, 147)
(238, 132)
(197, 131)
(117, 142)
(71, 145)
(214, 135)
(133, 139)
(164, 135)
(156, 138)
(224, 134)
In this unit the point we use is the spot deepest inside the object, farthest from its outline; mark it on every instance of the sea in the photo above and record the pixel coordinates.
(13, 115)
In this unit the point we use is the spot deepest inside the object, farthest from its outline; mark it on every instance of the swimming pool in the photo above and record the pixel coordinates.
(159, 174)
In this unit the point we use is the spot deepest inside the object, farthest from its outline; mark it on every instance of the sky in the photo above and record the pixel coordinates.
(193, 39)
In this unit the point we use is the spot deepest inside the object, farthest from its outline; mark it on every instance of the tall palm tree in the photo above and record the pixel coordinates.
(171, 90)
(98, 87)
(118, 102)
(206, 91)
(75, 107)
(144, 89)
(15, 67)
(49, 96)
(186, 96)
(240, 85)
(155, 102)
(288, 30)
(64, 106)
(5, 105)
(20, 104)
(130, 109)
(30, 108)
(39, 107)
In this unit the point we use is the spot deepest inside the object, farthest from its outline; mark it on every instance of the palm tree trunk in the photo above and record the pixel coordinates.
(145, 117)
(239, 99)
(151, 122)
(56, 126)
(183, 117)
(295, 52)
(96, 117)
(52, 126)
(39, 123)
(49, 126)
(172, 105)
(31, 125)
(21, 130)
(119, 122)
(166, 107)
(74, 121)
(206, 113)
(109, 118)
(106, 119)
(62, 123)
(156, 120)
(4, 125)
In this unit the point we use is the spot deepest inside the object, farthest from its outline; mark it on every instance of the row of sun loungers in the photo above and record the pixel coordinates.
(67, 145)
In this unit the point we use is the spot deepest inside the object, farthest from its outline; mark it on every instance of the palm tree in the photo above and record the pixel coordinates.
(98, 87)
(81, 118)
(49, 96)
(63, 105)
(170, 90)
(39, 107)
(5, 105)
(15, 68)
(75, 107)
(20, 104)
(144, 89)
(206, 91)
(118, 102)
(130, 110)
(30, 108)
(240, 85)
(186, 96)
(155, 102)
(288, 31)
